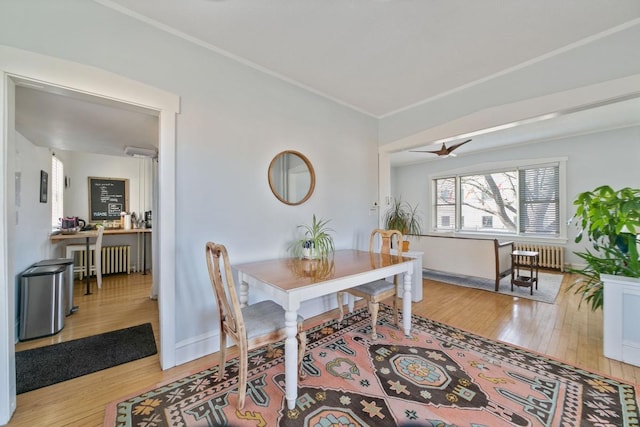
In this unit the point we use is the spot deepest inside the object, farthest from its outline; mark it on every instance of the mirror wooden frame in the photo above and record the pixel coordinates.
(272, 183)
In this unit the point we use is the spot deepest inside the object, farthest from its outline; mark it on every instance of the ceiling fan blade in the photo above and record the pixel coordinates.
(424, 151)
(454, 146)
(443, 151)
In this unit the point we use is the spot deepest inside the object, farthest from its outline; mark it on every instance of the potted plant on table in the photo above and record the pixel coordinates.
(611, 221)
(316, 243)
(403, 217)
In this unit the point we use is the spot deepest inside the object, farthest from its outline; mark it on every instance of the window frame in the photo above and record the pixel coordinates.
(497, 167)
(57, 191)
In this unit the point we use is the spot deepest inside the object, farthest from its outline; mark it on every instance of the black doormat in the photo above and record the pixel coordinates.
(40, 367)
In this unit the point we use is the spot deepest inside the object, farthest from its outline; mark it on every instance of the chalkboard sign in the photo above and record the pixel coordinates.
(108, 197)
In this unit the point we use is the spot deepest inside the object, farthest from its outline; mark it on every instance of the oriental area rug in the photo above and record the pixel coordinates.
(439, 376)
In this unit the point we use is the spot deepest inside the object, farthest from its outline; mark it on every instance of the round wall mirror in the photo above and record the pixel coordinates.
(291, 177)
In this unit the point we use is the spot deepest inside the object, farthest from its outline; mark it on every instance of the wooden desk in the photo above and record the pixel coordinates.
(94, 233)
(87, 235)
(290, 281)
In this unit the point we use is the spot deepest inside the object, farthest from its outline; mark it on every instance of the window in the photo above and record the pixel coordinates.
(539, 200)
(488, 201)
(57, 188)
(445, 202)
(519, 200)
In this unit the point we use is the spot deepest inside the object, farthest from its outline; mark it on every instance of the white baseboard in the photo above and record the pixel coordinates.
(197, 347)
(206, 344)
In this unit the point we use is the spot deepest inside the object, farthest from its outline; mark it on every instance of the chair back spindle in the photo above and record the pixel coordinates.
(224, 290)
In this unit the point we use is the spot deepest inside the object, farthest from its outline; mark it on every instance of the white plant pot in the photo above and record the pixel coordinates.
(621, 316)
(309, 253)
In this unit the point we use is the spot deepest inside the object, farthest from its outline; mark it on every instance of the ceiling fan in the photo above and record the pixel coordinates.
(444, 151)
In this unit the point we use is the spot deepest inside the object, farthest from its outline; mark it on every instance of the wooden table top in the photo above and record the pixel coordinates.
(290, 273)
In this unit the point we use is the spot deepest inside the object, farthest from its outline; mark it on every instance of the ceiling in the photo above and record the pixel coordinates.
(614, 114)
(383, 56)
(378, 57)
(62, 119)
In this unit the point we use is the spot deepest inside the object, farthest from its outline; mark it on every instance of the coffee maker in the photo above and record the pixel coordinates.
(72, 223)
(147, 219)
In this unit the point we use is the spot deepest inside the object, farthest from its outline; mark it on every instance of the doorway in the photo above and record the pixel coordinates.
(88, 137)
(15, 63)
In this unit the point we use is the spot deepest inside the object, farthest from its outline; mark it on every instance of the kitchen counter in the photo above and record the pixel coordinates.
(86, 235)
(94, 233)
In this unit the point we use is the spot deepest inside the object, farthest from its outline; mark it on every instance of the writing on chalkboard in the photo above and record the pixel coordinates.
(108, 197)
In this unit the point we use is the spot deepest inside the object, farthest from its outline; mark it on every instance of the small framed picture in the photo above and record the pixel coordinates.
(44, 185)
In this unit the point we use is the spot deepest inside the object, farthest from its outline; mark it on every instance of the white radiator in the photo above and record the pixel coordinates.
(115, 259)
(550, 256)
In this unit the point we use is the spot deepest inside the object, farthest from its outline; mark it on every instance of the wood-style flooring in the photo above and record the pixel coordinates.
(561, 331)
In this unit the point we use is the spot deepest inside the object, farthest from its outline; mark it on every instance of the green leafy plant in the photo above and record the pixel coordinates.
(316, 242)
(610, 220)
(403, 217)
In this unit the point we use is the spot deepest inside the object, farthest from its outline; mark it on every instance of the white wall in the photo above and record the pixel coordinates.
(608, 157)
(233, 121)
(79, 166)
(32, 218)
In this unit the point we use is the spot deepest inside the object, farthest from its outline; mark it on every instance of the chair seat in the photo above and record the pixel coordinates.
(374, 288)
(264, 317)
(378, 290)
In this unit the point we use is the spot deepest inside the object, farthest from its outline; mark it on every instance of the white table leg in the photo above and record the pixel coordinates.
(291, 358)
(406, 304)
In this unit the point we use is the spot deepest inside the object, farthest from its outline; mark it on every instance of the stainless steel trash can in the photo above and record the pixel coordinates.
(41, 301)
(69, 308)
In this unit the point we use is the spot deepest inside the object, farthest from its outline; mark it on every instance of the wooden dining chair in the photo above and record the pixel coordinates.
(95, 249)
(379, 290)
(249, 327)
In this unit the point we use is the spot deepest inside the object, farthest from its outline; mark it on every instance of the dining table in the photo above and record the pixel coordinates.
(290, 281)
(88, 234)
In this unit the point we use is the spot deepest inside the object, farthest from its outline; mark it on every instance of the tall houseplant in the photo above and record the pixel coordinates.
(316, 241)
(403, 217)
(610, 220)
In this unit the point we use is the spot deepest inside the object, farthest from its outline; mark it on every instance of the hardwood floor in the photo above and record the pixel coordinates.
(123, 301)
(561, 331)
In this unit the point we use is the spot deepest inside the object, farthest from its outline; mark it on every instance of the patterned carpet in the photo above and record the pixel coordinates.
(440, 376)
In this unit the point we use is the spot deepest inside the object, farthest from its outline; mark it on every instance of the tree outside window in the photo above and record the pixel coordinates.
(489, 201)
(518, 201)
